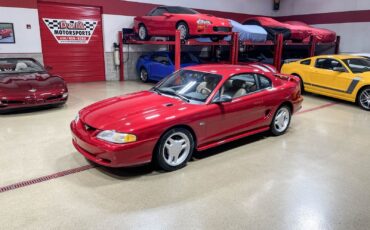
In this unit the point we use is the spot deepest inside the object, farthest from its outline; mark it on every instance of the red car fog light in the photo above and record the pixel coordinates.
(201, 27)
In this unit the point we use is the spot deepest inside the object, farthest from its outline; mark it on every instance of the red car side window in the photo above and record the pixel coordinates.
(159, 12)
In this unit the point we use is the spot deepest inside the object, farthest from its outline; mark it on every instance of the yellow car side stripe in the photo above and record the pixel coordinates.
(350, 89)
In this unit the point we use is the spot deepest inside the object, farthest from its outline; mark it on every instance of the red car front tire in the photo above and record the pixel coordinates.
(143, 33)
(174, 149)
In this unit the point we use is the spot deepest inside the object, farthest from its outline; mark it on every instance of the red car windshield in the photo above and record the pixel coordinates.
(15, 65)
(191, 86)
(180, 10)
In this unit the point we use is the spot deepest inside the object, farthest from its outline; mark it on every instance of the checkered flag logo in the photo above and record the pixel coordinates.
(52, 23)
(90, 25)
(71, 31)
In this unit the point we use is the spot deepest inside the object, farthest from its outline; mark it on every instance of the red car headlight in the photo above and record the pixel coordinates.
(203, 22)
(115, 137)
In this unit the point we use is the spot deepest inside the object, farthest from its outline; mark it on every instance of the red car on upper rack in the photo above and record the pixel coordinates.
(164, 20)
(273, 27)
(195, 108)
(25, 83)
(322, 35)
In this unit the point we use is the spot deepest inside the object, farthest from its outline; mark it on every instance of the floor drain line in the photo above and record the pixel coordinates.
(45, 178)
(317, 108)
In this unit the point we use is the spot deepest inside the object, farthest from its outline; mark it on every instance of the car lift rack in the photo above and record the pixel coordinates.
(234, 44)
(177, 43)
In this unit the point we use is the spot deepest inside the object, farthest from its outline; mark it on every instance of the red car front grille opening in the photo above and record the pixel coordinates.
(52, 98)
(88, 127)
(221, 29)
(13, 102)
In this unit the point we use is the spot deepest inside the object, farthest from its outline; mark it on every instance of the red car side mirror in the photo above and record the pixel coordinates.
(167, 14)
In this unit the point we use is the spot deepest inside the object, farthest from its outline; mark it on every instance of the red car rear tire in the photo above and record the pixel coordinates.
(281, 120)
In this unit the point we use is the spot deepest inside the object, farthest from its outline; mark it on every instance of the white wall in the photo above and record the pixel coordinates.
(27, 40)
(354, 36)
(260, 7)
(297, 7)
(111, 25)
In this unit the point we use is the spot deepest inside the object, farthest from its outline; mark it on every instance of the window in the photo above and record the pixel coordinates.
(185, 58)
(358, 65)
(306, 62)
(327, 63)
(243, 84)
(180, 10)
(161, 58)
(252, 22)
(239, 85)
(264, 82)
(15, 65)
(158, 12)
(193, 85)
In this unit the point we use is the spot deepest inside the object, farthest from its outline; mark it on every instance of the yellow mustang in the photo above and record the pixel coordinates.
(345, 77)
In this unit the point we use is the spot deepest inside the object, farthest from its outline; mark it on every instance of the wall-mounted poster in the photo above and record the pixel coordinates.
(7, 33)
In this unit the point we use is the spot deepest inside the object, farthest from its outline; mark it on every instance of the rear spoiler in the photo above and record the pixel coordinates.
(287, 77)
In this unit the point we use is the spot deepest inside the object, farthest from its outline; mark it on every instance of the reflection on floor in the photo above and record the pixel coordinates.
(316, 176)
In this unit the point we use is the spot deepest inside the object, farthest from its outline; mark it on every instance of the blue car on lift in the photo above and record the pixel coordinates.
(157, 65)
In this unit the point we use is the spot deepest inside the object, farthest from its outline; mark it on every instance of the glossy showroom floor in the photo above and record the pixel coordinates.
(317, 176)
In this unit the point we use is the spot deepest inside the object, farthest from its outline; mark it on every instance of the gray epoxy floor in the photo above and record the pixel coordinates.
(316, 176)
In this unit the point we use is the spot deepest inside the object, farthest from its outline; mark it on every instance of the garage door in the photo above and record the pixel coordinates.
(72, 41)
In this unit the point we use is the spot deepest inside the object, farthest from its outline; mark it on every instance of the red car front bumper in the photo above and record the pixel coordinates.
(9, 104)
(199, 30)
(110, 154)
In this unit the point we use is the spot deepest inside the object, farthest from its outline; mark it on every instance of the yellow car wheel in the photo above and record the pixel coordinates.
(363, 98)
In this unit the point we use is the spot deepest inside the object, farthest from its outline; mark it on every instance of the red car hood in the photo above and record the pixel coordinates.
(20, 84)
(130, 111)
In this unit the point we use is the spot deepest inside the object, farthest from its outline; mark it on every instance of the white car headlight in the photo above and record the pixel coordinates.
(115, 137)
(65, 95)
(203, 22)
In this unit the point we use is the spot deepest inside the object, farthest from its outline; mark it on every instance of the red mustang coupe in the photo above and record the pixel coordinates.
(195, 108)
(164, 20)
(25, 83)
